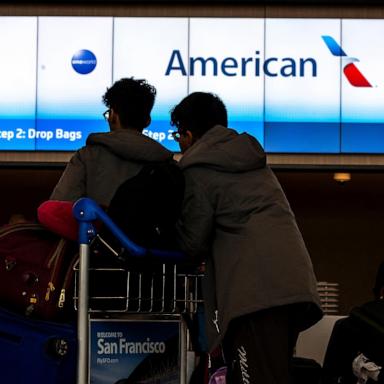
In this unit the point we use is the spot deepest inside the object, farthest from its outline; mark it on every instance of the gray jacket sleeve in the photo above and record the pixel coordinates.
(195, 226)
(72, 184)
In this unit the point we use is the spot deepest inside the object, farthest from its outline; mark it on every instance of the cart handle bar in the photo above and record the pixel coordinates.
(86, 211)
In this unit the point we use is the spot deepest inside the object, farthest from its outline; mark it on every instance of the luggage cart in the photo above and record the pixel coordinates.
(152, 302)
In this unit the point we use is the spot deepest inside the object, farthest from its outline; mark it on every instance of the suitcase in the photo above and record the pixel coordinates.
(36, 351)
(36, 271)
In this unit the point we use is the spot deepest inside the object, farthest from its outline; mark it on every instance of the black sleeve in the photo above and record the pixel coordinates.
(341, 351)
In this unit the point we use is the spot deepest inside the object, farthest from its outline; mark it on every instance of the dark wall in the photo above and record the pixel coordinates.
(23, 189)
(342, 225)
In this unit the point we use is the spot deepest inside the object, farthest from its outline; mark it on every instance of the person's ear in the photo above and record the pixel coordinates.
(113, 116)
(186, 140)
(189, 139)
(114, 120)
(381, 293)
(148, 122)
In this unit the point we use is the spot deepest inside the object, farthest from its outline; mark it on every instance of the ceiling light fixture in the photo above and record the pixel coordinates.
(342, 177)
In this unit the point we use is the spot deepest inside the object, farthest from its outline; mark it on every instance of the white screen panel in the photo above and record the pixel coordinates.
(146, 48)
(18, 36)
(225, 55)
(74, 70)
(302, 86)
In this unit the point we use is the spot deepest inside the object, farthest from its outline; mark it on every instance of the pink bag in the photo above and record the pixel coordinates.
(57, 217)
(219, 376)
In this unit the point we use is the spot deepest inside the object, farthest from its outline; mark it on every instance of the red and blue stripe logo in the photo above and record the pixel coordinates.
(351, 72)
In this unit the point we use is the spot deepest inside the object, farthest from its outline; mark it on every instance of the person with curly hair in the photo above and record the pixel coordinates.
(110, 158)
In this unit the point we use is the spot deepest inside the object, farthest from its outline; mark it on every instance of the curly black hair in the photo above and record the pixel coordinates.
(132, 99)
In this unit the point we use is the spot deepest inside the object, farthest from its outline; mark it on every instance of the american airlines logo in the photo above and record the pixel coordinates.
(351, 72)
(253, 65)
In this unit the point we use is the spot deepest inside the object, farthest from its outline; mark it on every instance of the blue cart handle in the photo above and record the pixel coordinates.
(86, 211)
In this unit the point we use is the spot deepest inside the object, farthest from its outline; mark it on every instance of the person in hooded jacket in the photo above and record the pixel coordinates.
(110, 158)
(259, 286)
(355, 349)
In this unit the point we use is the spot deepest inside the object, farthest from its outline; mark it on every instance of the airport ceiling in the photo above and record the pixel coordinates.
(212, 2)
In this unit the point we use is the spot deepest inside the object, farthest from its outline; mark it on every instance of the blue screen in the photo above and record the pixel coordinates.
(315, 92)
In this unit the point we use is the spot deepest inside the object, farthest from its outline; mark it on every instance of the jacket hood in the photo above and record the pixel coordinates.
(130, 145)
(226, 150)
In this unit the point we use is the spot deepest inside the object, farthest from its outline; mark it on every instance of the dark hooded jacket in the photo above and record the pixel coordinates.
(237, 218)
(108, 159)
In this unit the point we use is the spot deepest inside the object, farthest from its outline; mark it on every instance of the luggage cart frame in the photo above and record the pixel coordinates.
(86, 211)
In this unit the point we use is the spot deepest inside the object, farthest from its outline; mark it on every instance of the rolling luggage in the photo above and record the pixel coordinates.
(36, 270)
(35, 351)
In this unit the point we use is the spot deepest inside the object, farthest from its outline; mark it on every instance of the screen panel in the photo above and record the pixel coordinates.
(18, 36)
(74, 69)
(297, 85)
(154, 49)
(362, 129)
(302, 87)
(224, 59)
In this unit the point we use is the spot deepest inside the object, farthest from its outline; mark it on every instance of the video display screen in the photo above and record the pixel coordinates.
(74, 68)
(223, 57)
(18, 82)
(362, 87)
(302, 87)
(297, 85)
(143, 48)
